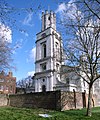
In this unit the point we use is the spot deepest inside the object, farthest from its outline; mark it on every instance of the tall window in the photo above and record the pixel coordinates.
(49, 18)
(57, 53)
(57, 67)
(44, 50)
(44, 47)
(56, 45)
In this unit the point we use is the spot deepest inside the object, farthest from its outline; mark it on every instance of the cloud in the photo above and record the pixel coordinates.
(68, 10)
(5, 33)
(32, 55)
(40, 16)
(25, 33)
(28, 19)
(19, 44)
(31, 73)
(61, 8)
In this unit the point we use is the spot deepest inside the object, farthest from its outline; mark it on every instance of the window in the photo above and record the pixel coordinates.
(49, 18)
(7, 88)
(44, 47)
(57, 67)
(1, 80)
(43, 35)
(57, 51)
(43, 80)
(43, 50)
(8, 80)
(1, 87)
(11, 88)
(44, 22)
(67, 81)
(56, 36)
(43, 66)
(56, 45)
(84, 83)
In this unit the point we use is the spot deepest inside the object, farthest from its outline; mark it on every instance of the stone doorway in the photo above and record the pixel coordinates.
(43, 88)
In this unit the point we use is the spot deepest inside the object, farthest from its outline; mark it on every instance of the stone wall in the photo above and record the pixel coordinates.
(96, 100)
(47, 100)
(50, 100)
(56, 100)
(73, 100)
(3, 100)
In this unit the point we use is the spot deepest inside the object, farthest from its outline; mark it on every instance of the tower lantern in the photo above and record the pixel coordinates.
(48, 20)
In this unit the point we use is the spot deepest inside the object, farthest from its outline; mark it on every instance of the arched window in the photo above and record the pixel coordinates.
(49, 18)
(43, 80)
(44, 50)
(67, 81)
(43, 88)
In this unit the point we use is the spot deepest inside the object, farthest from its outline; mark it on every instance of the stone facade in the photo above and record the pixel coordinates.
(70, 80)
(7, 83)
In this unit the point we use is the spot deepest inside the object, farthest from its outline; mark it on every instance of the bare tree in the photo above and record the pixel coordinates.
(25, 82)
(83, 43)
(93, 6)
(5, 48)
(84, 51)
(8, 22)
(8, 13)
(5, 55)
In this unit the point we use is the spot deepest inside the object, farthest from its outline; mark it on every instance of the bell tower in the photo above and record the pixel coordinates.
(48, 54)
(48, 20)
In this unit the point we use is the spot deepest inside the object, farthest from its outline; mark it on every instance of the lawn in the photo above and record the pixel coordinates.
(11, 113)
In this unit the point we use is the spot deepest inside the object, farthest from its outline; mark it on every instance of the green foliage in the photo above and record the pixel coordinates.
(11, 113)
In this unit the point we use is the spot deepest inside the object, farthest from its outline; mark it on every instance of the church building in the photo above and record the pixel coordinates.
(50, 71)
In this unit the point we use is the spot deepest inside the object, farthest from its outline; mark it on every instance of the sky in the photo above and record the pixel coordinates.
(27, 18)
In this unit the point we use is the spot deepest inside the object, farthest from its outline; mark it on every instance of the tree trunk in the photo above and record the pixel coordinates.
(89, 108)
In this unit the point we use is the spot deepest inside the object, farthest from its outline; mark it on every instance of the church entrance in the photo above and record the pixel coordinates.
(43, 88)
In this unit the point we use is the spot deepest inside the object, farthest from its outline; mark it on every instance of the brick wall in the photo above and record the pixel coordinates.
(50, 100)
(46, 100)
(56, 100)
(73, 100)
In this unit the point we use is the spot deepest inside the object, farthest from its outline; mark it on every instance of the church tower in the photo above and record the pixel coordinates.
(48, 54)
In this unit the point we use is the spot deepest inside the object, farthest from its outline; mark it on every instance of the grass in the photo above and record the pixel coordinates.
(11, 113)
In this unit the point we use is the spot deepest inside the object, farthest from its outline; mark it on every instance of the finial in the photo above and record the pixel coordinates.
(51, 12)
(46, 11)
(42, 12)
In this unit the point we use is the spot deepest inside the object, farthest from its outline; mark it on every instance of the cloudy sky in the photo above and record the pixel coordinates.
(28, 24)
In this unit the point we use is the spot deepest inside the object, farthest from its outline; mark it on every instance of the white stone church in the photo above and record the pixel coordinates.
(50, 71)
